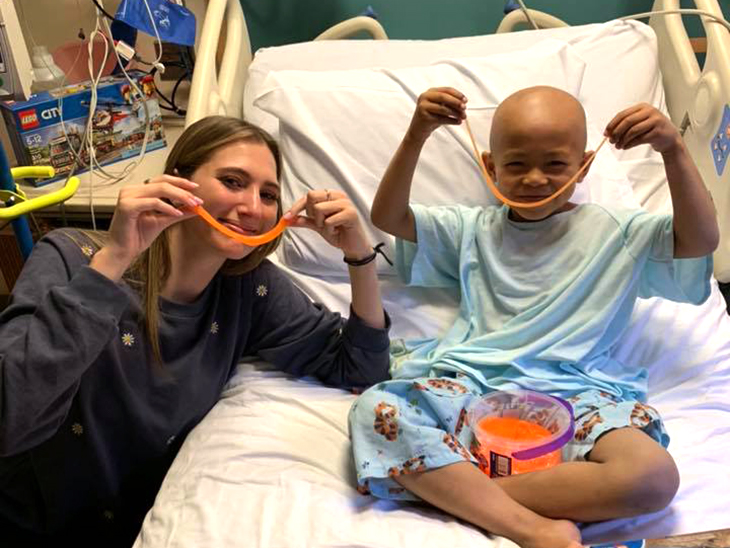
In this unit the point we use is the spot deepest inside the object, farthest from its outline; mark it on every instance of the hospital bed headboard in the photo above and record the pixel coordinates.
(698, 100)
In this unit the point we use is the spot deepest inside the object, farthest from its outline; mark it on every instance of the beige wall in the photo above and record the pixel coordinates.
(55, 22)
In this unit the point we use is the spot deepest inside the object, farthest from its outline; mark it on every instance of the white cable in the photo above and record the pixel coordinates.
(644, 15)
(157, 36)
(529, 18)
(148, 120)
(703, 13)
(92, 109)
(110, 176)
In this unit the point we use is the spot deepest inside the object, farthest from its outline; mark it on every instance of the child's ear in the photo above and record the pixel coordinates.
(586, 155)
(489, 163)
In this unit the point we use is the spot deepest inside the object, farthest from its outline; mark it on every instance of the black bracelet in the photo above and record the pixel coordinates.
(369, 258)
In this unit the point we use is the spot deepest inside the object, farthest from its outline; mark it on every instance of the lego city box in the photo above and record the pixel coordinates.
(44, 133)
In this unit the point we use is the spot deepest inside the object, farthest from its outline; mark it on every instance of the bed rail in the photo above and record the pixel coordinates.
(699, 99)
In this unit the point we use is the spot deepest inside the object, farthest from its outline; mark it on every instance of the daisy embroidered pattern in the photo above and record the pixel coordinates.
(87, 250)
(128, 339)
(77, 429)
(214, 328)
(262, 290)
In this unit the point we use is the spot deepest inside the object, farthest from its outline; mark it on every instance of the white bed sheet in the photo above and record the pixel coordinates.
(270, 466)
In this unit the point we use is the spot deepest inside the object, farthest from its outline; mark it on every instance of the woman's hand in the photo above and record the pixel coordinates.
(332, 214)
(643, 124)
(141, 214)
(436, 107)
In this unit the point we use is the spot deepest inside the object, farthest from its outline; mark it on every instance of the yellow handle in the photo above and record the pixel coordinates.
(27, 172)
(52, 198)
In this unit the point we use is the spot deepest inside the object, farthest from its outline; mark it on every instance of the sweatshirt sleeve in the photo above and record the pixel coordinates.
(61, 315)
(305, 338)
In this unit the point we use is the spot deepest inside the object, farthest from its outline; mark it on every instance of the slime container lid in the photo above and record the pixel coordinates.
(552, 413)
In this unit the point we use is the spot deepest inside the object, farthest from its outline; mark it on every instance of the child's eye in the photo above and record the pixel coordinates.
(514, 164)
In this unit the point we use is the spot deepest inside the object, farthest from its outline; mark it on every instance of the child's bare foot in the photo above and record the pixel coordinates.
(554, 533)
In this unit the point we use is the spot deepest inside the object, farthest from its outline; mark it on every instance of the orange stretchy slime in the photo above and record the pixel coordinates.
(525, 205)
(251, 241)
(513, 430)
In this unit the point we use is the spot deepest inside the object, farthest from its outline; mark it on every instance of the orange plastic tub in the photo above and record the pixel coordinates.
(520, 431)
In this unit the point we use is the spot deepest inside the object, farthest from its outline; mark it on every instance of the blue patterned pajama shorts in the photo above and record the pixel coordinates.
(405, 426)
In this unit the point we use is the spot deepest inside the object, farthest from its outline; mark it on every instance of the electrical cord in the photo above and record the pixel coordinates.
(102, 10)
(157, 34)
(682, 11)
(171, 102)
(180, 111)
(701, 13)
(526, 12)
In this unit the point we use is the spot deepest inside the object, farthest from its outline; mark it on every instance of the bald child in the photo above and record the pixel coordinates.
(546, 294)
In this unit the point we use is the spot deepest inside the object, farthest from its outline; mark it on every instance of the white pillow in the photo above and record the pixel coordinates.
(622, 66)
(339, 130)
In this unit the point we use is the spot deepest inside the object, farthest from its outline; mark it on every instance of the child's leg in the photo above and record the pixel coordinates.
(464, 491)
(410, 438)
(626, 472)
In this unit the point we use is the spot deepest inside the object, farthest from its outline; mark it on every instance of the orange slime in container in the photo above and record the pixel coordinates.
(506, 432)
(514, 429)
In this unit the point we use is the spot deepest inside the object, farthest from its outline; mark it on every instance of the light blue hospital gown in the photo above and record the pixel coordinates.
(543, 305)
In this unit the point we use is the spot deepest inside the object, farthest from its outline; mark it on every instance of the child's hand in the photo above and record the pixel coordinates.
(436, 107)
(642, 124)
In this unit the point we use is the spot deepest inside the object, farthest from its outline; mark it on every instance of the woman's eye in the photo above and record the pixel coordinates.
(269, 196)
(232, 182)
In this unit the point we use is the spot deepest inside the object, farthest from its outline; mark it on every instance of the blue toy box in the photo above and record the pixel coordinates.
(118, 124)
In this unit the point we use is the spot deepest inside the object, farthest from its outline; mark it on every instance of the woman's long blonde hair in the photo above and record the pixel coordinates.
(197, 144)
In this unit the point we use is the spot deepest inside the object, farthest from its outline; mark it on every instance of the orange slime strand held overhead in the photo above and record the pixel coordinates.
(525, 205)
(251, 241)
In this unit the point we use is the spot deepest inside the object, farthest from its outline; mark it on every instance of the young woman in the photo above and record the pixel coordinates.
(116, 345)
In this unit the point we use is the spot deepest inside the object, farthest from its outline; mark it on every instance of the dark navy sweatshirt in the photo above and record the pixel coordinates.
(90, 423)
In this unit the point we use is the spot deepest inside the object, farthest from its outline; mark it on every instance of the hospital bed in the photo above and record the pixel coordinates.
(270, 465)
